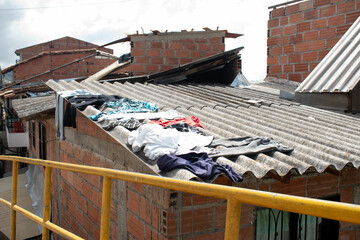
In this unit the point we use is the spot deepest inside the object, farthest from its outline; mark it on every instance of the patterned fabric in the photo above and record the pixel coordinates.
(130, 124)
(126, 106)
(132, 106)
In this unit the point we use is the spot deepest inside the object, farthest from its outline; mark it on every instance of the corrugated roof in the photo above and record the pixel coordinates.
(322, 140)
(29, 107)
(190, 71)
(339, 71)
(20, 89)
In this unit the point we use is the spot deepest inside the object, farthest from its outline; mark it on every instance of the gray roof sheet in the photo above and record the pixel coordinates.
(30, 107)
(321, 139)
(339, 71)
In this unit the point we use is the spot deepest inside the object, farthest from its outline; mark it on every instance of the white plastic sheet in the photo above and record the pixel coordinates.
(35, 188)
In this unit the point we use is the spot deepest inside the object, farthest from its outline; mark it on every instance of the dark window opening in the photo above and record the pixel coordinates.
(33, 134)
(274, 224)
(42, 141)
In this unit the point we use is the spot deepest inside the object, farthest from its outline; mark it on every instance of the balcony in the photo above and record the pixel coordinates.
(17, 135)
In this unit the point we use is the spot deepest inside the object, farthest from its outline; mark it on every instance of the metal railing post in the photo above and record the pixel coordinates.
(105, 209)
(15, 171)
(233, 214)
(47, 202)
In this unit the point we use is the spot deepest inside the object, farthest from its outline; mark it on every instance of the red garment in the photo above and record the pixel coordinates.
(18, 126)
(193, 121)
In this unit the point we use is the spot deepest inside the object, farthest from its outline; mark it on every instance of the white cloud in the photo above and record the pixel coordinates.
(111, 20)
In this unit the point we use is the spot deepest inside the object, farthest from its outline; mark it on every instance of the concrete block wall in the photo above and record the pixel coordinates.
(155, 53)
(47, 62)
(300, 35)
(65, 43)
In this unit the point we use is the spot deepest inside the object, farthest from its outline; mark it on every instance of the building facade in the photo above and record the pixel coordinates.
(300, 35)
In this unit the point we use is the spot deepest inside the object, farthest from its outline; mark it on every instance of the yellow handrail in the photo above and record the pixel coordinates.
(234, 195)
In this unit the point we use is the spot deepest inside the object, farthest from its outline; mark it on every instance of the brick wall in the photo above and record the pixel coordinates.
(300, 35)
(188, 216)
(65, 43)
(47, 62)
(143, 212)
(155, 53)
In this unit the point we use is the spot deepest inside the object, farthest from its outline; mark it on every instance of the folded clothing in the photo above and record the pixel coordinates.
(184, 127)
(246, 146)
(193, 121)
(199, 164)
(158, 141)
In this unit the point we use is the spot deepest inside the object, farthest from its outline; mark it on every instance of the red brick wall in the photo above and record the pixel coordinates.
(300, 35)
(66, 43)
(157, 53)
(76, 198)
(45, 63)
(347, 185)
(156, 213)
(188, 216)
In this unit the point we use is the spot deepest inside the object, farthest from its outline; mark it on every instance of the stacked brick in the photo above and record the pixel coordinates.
(155, 53)
(300, 35)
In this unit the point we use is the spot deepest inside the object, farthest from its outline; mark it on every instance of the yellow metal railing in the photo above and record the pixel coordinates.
(235, 196)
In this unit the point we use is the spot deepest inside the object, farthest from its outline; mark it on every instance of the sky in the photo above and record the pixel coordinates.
(24, 23)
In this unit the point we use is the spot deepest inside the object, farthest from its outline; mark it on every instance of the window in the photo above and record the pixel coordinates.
(42, 141)
(275, 224)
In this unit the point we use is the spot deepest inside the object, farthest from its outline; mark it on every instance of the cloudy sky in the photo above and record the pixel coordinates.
(24, 23)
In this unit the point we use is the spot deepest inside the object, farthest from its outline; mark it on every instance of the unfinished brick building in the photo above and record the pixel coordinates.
(157, 52)
(324, 164)
(62, 58)
(301, 34)
(65, 43)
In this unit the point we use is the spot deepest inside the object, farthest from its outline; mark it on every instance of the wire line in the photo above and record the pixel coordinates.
(61, 6)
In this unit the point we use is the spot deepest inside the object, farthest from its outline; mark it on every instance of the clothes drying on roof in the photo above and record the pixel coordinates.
(199, 164)
(184, 127)
(158, 141)
(130, 124)
(171, 114)
(193, 121)
(246, 146)
(59, 109)
(126, 105)
(81, 102)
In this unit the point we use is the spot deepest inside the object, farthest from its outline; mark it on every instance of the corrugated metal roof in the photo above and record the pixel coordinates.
(339, 71)
(320, 138)
(186, 72)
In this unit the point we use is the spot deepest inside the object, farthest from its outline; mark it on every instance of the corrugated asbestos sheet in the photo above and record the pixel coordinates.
(322, 140)
(30, 107)
(339, 71)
